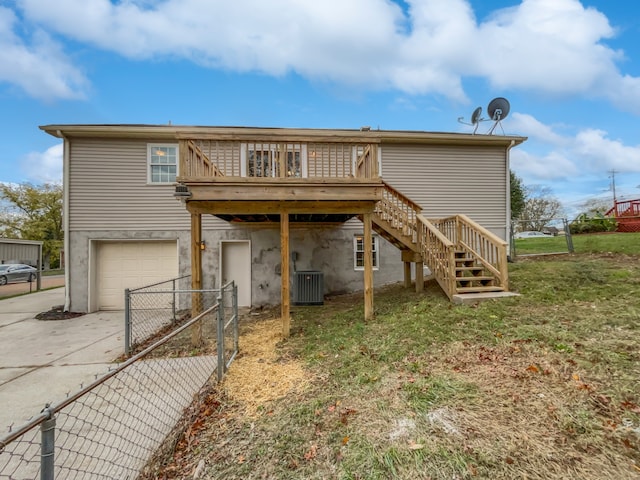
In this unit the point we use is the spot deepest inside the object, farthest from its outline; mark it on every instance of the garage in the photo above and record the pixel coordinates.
(132, 264)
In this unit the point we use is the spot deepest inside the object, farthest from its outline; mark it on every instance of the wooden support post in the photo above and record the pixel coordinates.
(419, 276)
(407, 274)
(196, 277)
(284, 270)
(420, 264)
(368, 267)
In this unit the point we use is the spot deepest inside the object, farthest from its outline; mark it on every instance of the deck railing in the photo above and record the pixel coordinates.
(195, 163)
(489, 249)
(627, 208)
(209, 160)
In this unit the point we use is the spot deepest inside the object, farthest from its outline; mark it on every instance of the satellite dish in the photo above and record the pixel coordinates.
(475, 119)
(475, 116)
(498, 110)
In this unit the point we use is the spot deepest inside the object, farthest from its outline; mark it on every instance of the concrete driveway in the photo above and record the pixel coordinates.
(11, 289)
(43, 361)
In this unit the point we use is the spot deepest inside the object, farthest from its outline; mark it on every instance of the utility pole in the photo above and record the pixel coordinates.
(612, 176)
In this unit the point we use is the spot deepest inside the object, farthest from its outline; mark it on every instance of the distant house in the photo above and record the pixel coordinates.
(28, 252)
(145, 203)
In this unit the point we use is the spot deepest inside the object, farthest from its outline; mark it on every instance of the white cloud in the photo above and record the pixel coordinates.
(44, 167)
(536, 130)
(552, 165)
(597, 149)
(548, 155)
(548, 46)
(39, 68)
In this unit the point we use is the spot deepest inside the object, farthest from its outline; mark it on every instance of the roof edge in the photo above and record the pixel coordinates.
(240, 133)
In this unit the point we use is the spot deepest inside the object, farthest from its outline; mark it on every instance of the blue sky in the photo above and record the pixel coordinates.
(570, 69)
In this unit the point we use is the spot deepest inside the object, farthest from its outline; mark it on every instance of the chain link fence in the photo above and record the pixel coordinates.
(155, 309)
(111, 428)
(551, 236)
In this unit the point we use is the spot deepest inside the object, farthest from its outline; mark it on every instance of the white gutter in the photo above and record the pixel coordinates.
(508, 228)
(65, 218)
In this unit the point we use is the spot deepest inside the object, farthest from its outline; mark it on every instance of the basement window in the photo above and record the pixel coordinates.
(162, 161)
(358, 252)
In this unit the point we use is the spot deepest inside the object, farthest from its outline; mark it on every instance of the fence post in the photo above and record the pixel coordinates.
(47, 445)
(220, 330)
(127, 321)
(173, 303)
(567, 235)
(236, 332)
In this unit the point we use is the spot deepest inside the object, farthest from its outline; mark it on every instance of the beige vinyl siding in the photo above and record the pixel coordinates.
(448, 180)
(108, 190)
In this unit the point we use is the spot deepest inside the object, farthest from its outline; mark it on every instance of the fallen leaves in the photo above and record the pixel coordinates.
(415, 446)
(311, 453)
(630, 406)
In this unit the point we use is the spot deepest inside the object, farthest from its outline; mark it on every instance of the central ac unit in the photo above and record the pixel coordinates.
(308, 288)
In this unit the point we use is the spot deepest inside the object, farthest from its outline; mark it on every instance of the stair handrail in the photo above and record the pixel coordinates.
(489, 249)
(399, 211)
(438, 253)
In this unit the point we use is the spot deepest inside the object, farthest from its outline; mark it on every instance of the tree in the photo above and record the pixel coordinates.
(33, 212)
(595, 206)
(517, 195)
(540, 206)
(592, 218)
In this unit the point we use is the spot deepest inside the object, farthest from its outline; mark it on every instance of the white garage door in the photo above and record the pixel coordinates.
(130, 265)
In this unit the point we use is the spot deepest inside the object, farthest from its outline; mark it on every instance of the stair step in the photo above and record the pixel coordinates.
(467, 262)
(476, 268)
(479, 289)
(479, 278)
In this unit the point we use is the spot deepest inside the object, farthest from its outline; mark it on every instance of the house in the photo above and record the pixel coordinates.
(145, 203)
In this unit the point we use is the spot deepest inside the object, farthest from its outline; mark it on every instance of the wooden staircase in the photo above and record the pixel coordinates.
(471, 275)
(463, 257)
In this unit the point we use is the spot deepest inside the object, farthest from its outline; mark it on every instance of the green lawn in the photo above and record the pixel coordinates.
(627, 243)
(540, 386)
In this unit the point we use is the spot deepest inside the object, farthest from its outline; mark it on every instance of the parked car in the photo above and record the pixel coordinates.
(17, 272)
(531, 234)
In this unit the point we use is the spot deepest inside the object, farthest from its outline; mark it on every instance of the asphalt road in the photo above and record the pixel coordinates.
(11, 289)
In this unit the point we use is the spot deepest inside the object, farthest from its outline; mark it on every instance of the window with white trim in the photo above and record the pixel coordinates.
(162, 161)
(358, 252)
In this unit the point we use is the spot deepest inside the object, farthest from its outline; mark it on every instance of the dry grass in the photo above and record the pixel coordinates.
(544, 386)
(261, 375)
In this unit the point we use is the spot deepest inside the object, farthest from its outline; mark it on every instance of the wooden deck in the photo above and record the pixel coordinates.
(309, 180)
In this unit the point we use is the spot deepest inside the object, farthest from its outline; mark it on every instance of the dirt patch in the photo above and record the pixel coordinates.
(58, 313)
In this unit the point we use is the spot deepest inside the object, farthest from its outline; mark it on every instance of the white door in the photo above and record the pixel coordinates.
(123, 265)
(235, 264)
